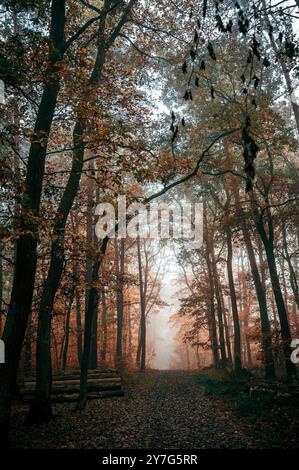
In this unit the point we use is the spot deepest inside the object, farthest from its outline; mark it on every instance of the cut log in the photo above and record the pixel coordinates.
(76, 382)
(106, 375)
(74, 389)
(66, 385)
(70, 398)
(77, 371)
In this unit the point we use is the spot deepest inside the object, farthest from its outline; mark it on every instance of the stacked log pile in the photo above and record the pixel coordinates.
(276, 390)
(66, 386)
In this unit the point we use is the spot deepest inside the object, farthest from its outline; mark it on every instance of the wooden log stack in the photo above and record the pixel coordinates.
(66, 386)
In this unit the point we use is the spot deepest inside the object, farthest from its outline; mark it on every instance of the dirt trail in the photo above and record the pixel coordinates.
(166, 409)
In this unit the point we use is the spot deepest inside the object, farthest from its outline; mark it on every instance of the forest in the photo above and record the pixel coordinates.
(149, 252)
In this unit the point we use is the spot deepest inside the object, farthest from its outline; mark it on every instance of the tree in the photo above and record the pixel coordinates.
(25, 264)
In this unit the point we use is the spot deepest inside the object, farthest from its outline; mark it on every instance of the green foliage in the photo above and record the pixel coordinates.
(220, 386)
(237, 391)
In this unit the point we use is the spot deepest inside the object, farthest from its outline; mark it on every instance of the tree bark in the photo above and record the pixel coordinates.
(120, 267)
(67, 332)
(260, 292)
(235, 313)
(41, 406)
(213, 326)
(92, 305)
(104, 326)
(142, 310)
(281, 310)
(78, 318)
(293, 277)
(90, 248)
(27, 347)
(225, 322)
(223, 361)
(1, 288)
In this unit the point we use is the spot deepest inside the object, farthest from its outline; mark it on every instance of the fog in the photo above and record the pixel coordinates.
(161, 331)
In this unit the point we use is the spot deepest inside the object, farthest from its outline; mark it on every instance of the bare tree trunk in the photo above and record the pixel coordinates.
(261, 295)
(93, 359)
(78, 317)
(142, 310)
(120, 267)
(223, 361)
(129, 335)
(27, 347)
(212, 318)
(92, 305)
(227, 334)
(56, 363)
(225, 322)
(187, 356)
(138, 353)
(1, 289)
(235, 313)
(67, 331)
(104, 325)
(245, 305)
(41, 405)
(293, 277)
(281, 310)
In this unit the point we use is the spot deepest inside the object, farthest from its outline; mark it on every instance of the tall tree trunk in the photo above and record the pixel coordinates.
(93, 360)
(92, 306)
(90, 249)
(142, 310)
(27, 348)
(293, 277)
(26, 257)
(138, 353)
(225, 322)
(187, 356)
(67, 332)
(226, 329)
(1, 288)
(104, 326)
(223, 362)
(260, 292)
(213, 326)
(120, 266)
(245, 305)
(78, 313)
(41, 409)
(56, 356)
(281, 310)
(212, 317)
(129, 335)
(233, 299)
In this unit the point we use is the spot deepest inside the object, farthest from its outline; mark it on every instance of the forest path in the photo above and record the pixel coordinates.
(160, 409)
